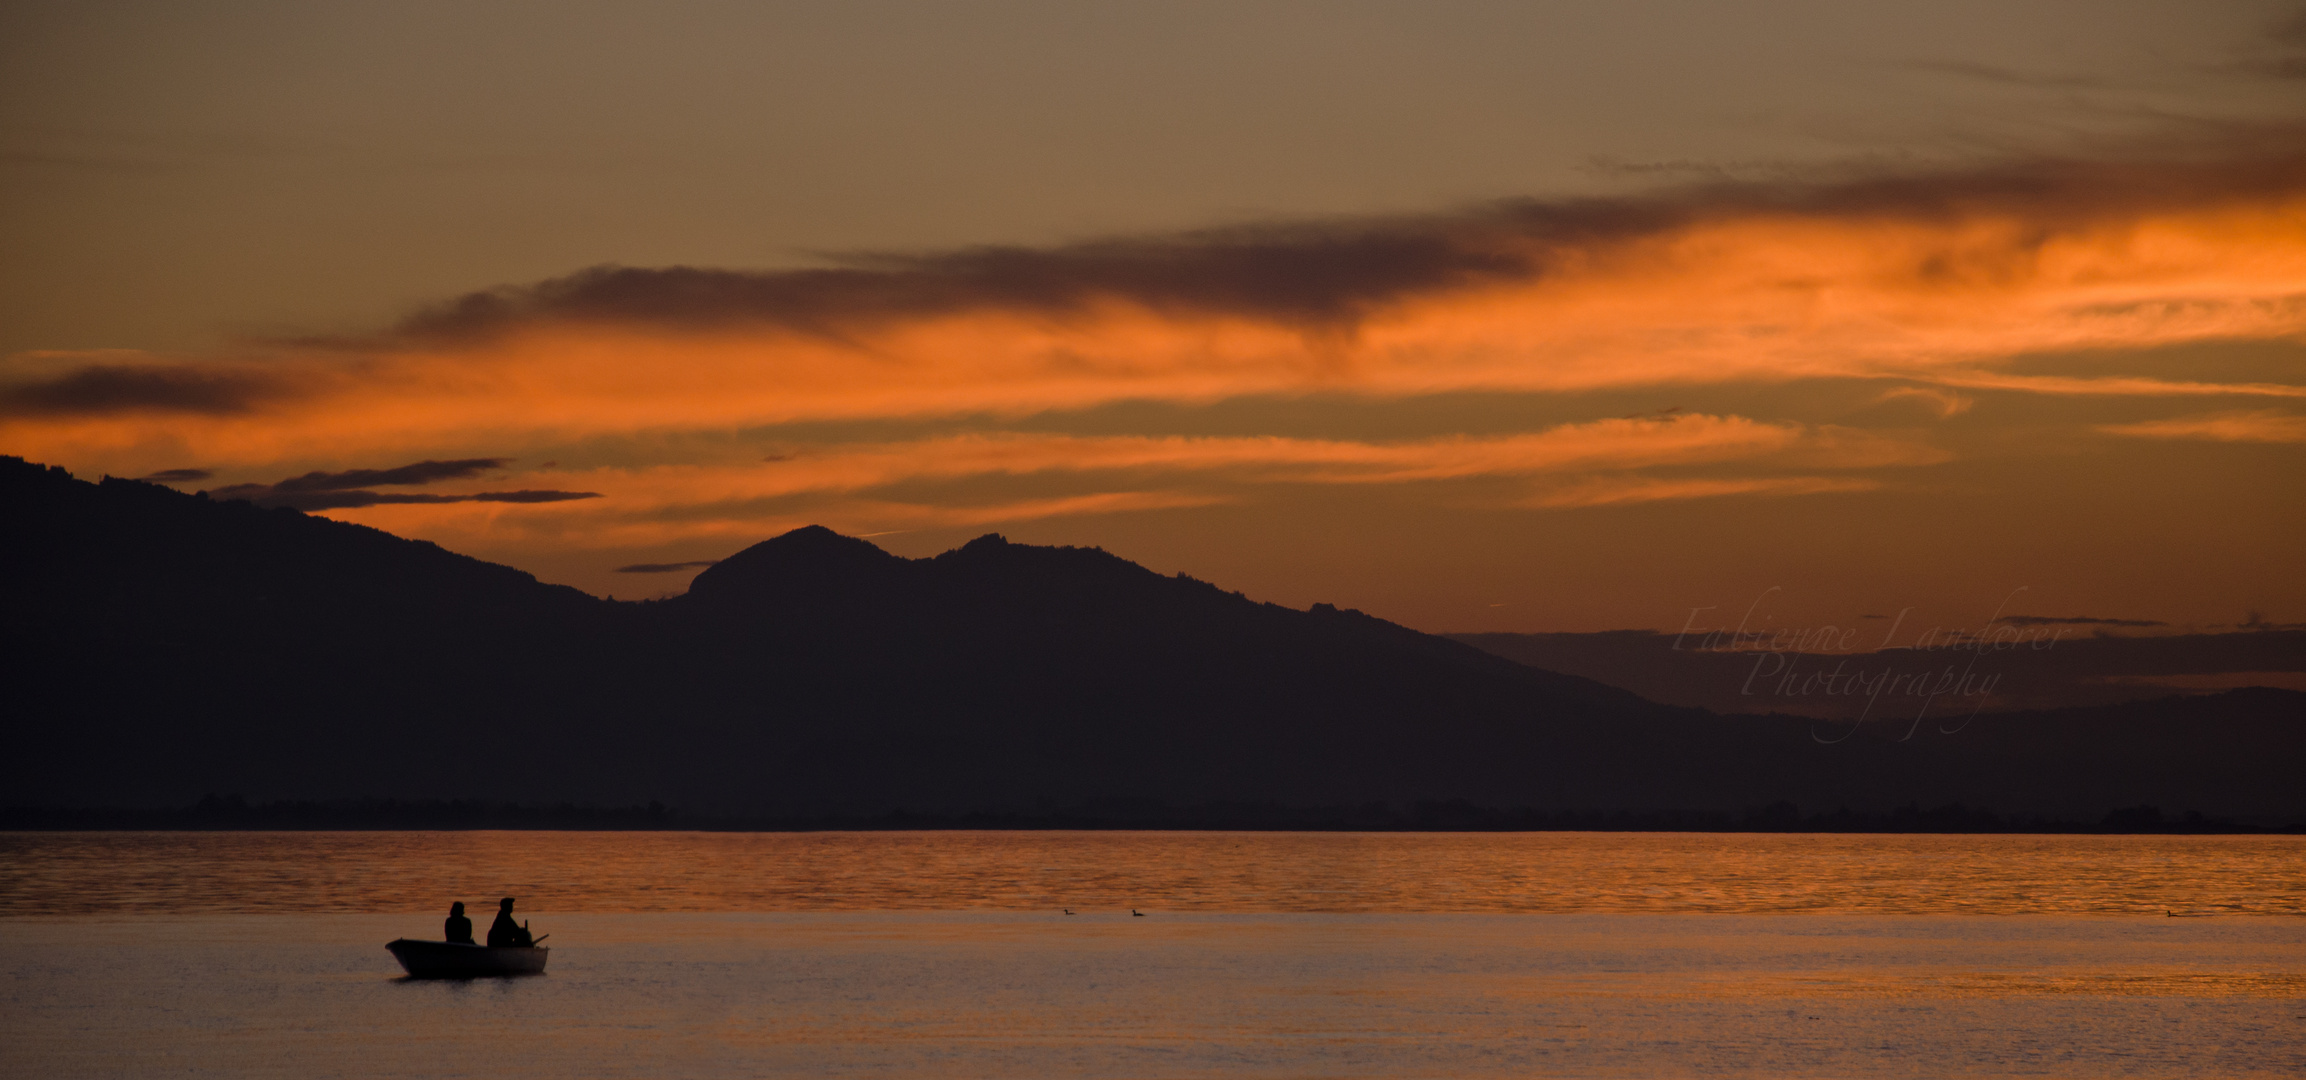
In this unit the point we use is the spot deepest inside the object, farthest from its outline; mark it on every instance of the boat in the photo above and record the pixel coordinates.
(442, 960)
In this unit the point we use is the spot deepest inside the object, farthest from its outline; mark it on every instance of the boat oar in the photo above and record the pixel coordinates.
(539, 941)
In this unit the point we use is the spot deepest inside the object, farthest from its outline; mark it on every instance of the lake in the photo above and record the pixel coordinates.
(1258, 954)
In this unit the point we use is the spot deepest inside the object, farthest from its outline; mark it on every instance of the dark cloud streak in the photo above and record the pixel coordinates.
(1292, 275)
(101, 389)
(348, 490)
(423, 472)
(2009, 77)
(666, 567)
(527, 496)
(1332, 274)
(268, 496)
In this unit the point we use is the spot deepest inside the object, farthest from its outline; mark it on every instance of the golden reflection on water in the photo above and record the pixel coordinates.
(923, 994)
(2185, 984)
(191, 872)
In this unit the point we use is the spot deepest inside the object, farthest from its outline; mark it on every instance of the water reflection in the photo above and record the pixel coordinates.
(907, 995)
(89, 873)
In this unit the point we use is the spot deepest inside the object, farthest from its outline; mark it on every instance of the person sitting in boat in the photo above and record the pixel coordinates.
(459, 928)
(505, 933)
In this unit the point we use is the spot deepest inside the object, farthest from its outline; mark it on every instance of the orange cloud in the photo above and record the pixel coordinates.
(466, 524)
(1932, 281)
(2263, 426)
(2116, 386)
(1619, 490)
(1617, 443)
(655, 504)
(1945, 403)
(1688, 439)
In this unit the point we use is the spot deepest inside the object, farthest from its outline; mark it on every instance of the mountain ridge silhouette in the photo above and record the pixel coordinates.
(169, 645)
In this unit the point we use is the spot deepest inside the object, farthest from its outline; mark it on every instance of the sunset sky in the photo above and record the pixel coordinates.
(1569, 316)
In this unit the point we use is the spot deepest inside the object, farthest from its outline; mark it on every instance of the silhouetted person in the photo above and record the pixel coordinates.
(505, 933)
(458, 927)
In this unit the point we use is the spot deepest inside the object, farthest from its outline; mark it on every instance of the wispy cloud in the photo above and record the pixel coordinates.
(1621, 490)
(1986, 229)
(2011, 77)
(1931, 280)
(1689, 438)
(831, 395)
(422, 472)
(346, 490)
(1686, 439)
(855, 485)
(2259, 426)
(1945, 403)
(2114, 386)
(746, 523)
(264, 495)
(106, 389)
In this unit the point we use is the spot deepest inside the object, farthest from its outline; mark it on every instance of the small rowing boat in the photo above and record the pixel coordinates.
(441, 960)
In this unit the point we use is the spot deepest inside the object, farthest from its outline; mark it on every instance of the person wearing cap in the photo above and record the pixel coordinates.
(459, 928)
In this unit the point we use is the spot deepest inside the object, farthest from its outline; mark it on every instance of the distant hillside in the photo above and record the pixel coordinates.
(2044, 672)
(163, 646)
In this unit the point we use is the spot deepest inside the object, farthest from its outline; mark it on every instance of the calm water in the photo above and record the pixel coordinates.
(945, 954)
(179, 873)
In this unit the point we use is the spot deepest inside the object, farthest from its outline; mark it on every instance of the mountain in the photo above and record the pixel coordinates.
(164, 645)
(2030, 667)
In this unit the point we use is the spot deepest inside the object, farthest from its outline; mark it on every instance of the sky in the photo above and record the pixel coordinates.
(1474, 316)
